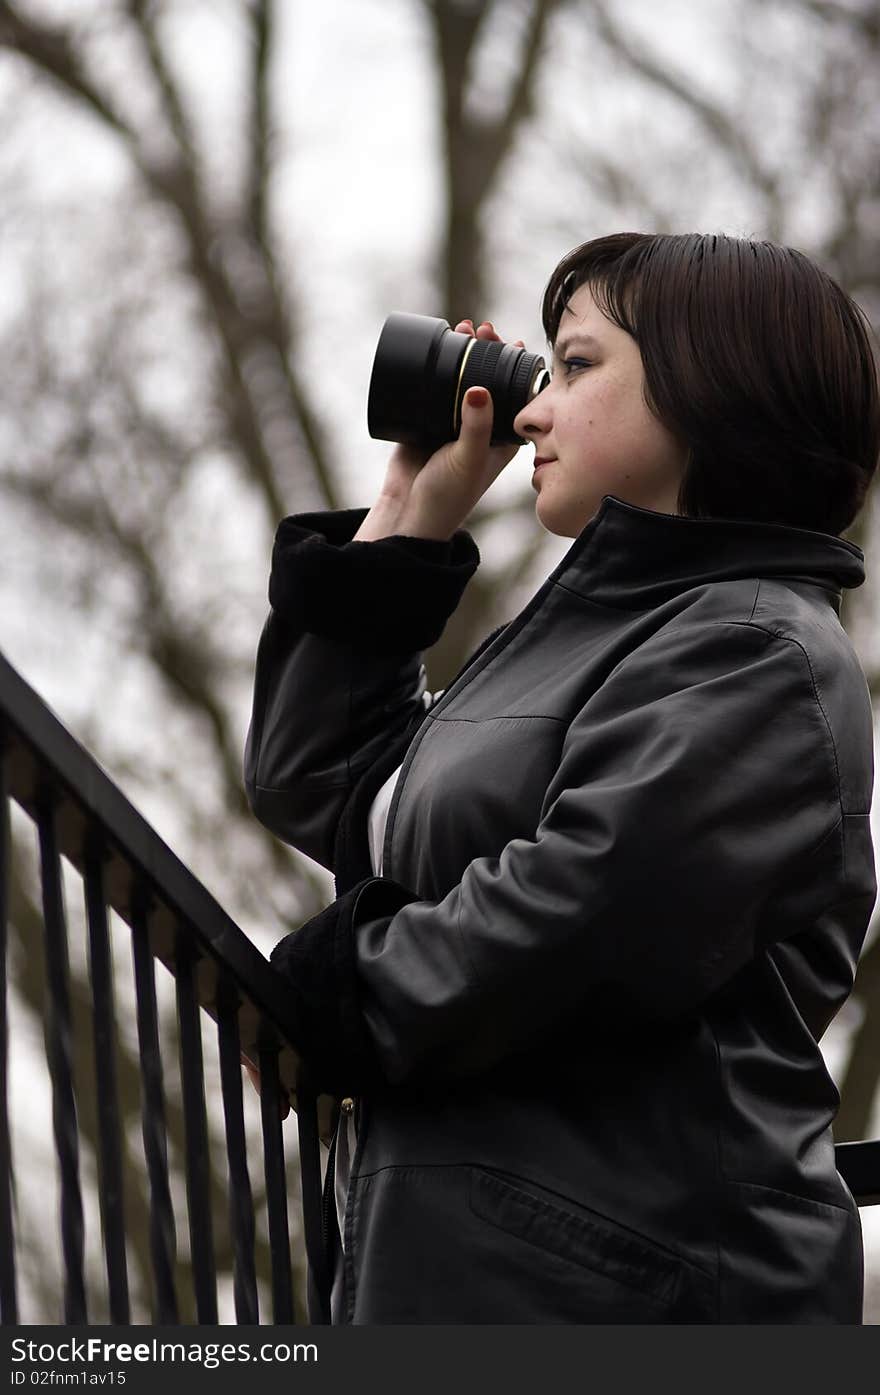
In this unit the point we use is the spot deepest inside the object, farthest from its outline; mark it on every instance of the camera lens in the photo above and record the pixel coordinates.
(422, 370)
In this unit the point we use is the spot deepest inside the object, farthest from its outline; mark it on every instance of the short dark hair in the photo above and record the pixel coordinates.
(754, 358)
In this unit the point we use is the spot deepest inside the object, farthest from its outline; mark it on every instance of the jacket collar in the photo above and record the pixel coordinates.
(635, 558)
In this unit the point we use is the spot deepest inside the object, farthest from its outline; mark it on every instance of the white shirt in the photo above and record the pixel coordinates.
(346, 1138)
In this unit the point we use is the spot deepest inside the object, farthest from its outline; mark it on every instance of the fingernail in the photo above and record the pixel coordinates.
(477, 396)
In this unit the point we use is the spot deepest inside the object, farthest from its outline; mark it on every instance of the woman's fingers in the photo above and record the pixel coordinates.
(484, 330)
(254, 1074)
(252, 1071)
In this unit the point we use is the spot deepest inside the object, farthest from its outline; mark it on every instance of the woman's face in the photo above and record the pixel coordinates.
(593, 428)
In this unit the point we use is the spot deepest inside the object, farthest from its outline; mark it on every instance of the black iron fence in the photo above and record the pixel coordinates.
(124, 866)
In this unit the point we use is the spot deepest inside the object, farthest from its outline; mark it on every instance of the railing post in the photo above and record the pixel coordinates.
(198, 1170)
(241, 1207)
(104, 1040)
(319, 1280)
(163, 1244)
(276, 1184)
(58, 1040)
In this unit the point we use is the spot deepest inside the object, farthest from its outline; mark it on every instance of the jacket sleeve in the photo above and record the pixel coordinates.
(339, 672)
(692, 786)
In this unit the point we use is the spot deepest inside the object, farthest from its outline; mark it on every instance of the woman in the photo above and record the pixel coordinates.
(598, 901)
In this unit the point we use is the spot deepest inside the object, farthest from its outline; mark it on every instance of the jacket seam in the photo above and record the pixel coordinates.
(781, 1191)
(603, 605)
(507, 717)
(789, 639)
(643, 609)
(288, 789)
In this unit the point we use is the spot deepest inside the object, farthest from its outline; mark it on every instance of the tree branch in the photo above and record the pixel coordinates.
(175, 183)
(475, 150)
(500, 136)
(865, 23)
(725, 131)
(142, 15)
(262, 18)
(51, 49)
(188, 665)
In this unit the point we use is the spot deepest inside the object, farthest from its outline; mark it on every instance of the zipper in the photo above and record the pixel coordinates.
(361, 1116)
(328, 1197)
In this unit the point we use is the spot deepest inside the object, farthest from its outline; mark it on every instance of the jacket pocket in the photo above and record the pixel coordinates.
(587, 1239)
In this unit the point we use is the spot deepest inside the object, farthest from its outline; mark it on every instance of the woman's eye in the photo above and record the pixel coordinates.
(567, 364)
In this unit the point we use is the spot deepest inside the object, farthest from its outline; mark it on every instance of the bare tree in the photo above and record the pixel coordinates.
(190, 290)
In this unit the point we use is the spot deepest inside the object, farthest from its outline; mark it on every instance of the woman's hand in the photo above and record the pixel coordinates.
(253, 1072)
(450, 481)
(444, 487)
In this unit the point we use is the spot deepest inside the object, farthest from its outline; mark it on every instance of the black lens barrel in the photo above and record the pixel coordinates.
(422, 369)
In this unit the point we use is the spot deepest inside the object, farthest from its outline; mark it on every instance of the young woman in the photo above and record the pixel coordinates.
(597, 901)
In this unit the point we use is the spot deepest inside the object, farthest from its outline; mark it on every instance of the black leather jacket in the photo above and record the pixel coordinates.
(628, 872)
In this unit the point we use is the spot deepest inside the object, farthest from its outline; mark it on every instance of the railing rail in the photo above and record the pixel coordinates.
(81, 815)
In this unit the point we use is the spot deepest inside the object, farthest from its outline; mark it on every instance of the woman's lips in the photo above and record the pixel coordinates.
(541, 460)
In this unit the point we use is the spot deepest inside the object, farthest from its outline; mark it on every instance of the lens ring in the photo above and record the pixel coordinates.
(456, 414)
(540, 381)
(481, 367)
(508, 372)
(524, 375)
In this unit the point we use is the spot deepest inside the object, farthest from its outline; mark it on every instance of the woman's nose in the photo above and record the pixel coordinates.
(534, 418)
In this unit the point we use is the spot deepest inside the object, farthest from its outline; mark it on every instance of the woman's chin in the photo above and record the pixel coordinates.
(561, 522)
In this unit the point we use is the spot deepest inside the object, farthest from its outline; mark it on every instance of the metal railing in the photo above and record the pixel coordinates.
(126, 867)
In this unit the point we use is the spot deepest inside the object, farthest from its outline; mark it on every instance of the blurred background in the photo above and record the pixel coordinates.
(208, 209)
